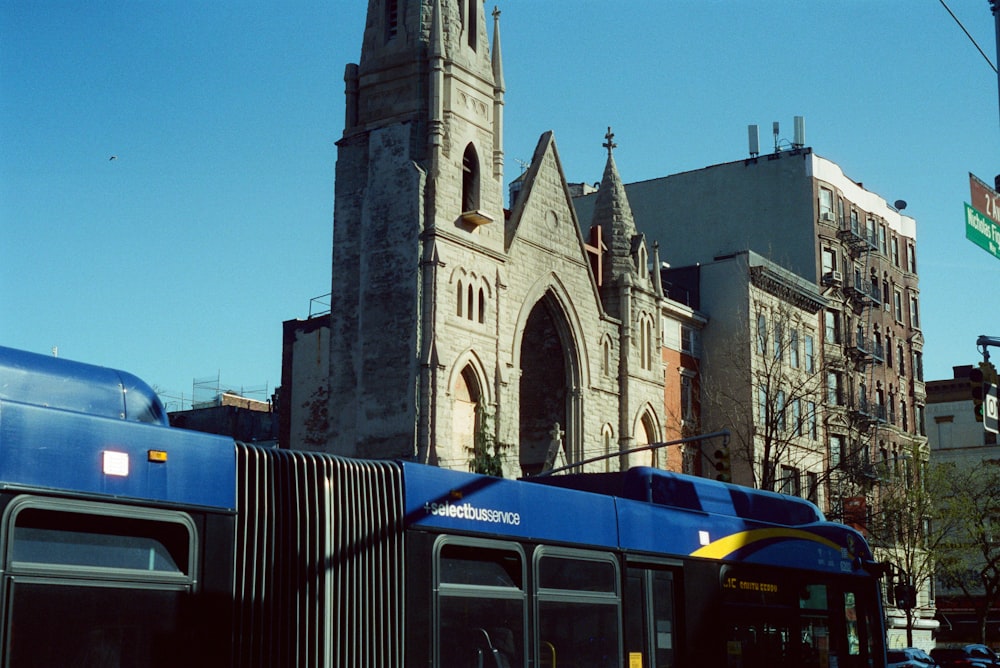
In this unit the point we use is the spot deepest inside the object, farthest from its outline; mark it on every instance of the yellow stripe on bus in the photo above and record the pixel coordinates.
(723, 547)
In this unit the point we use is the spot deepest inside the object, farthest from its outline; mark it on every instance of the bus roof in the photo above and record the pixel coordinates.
(702, 525)
(55, 382)
(72, 427)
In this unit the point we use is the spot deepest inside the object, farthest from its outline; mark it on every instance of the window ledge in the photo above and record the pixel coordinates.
(475, 218)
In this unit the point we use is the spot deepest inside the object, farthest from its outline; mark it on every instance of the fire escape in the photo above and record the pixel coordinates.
(864, 347)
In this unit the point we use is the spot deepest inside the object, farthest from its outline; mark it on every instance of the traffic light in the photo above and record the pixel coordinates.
(980, 380)
(905, 595)
(722, 467)
(977, 385)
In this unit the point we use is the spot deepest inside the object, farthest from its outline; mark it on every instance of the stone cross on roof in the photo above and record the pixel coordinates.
(610, 143)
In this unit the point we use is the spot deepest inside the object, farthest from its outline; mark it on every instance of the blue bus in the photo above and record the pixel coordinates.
(125, 542)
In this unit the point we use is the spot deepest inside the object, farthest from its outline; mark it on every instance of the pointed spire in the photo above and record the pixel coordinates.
(657, 279)
(436, 120)
(497, 62)
(614, 214)
(498, 101)
(437, 32)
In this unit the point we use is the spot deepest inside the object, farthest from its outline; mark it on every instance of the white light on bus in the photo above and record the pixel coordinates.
(703, 538)
(115, 463)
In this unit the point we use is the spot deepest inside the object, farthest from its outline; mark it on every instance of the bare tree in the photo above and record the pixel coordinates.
(766, 388)
(968, 558)
(902, 534)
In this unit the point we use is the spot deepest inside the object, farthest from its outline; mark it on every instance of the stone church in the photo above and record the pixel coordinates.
(455, 321)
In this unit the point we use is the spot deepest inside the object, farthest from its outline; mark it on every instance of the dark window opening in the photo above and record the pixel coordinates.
(391, 19)
(470, 180)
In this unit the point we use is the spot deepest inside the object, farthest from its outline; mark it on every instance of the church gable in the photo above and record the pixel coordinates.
(543, 215)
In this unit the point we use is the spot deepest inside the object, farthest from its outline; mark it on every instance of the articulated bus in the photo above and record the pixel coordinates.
(124, 542)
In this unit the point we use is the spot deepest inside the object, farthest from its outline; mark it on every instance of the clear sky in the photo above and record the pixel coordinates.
(181, 258)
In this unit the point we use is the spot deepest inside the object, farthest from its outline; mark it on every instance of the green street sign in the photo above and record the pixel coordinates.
(982, 231)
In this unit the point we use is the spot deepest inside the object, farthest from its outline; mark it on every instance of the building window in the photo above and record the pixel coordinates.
(790, 481)
(797, 416)
(391, 19)
(914, 313)
(905, 416)
(646, 342)
(901, 358)
(606, 356)
(460, 298)
(833, 384)
(781, 421)
(689, 342)
(829, 260)
(812, 487)
(911, 258)
(836, 450)
(917, 365)
(895, 250)
(897, 302)
(687, 397)
(761, 334)
(813, 418)
(810, 354)
(832, 323)
(881, 239)
(825, 204)
(776, 344)
(793, 348)
(473, 21)
(470, 179)
(761, 405)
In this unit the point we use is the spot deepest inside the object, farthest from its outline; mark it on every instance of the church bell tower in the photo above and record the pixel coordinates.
(419, 174)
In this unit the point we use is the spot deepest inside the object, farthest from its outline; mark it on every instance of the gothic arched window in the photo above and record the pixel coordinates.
(470, 179)
(473, 21)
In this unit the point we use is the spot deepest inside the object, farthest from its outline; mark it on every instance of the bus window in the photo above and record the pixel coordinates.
(480, 604)
(43, 536)
(815, 625)
(96, 584)
(579, 611)
(862, 632)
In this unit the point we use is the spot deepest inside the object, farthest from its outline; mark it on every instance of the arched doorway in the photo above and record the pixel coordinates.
(465, 421)
(546, 386)
(644, 435)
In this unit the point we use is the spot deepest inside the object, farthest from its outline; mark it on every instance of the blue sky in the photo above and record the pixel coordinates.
(182, 257)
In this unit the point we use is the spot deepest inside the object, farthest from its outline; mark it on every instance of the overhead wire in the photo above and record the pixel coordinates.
(971, 38)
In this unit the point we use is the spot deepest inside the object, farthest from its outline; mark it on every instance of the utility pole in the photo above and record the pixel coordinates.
(995, 7)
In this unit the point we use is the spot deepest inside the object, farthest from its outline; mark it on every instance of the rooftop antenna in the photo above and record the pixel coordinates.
(753, 137)
(799, 139)
(777, 130)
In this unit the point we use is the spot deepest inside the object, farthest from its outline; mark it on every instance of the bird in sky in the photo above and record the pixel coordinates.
(114, 157)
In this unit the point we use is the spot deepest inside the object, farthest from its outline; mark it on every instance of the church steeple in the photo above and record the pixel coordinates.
(614, 214)
(498, 102)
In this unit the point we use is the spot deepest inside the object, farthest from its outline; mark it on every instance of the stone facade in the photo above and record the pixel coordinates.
(455, 323)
